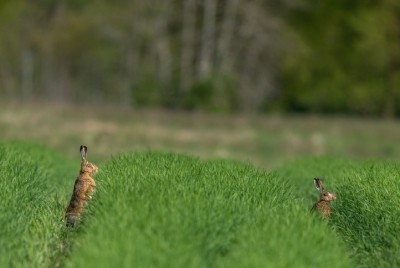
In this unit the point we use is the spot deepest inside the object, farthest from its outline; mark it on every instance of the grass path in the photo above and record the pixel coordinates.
(32, 192)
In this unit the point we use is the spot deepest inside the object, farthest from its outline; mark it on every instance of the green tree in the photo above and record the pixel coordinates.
(345, 57)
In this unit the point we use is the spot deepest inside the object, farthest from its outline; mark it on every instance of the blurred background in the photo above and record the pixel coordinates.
(256, 80)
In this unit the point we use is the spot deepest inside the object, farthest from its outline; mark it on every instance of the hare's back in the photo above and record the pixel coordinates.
(79, 185)
(323, 207)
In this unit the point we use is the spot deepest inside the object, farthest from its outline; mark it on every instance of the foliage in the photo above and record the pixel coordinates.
(133, 53)
(236, 55)
(346, 58)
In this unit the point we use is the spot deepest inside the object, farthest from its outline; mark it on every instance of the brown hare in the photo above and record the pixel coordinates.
(322, 206)
(83, 189)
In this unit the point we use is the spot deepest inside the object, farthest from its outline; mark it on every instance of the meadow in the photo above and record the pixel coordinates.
(265, 141)
(182, 203)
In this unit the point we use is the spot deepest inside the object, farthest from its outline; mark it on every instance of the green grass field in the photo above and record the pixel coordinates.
(233, 191)
(154, 209)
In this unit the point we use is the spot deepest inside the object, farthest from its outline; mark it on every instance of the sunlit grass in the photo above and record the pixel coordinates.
(32, 185)
(165, 210)
(366, 211)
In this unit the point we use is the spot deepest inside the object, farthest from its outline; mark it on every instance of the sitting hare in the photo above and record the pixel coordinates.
(83, 188)
(324, 198)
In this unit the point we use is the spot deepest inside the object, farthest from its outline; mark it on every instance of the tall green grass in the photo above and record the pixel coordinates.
(165, 210)
(366, 213)
(32, 185)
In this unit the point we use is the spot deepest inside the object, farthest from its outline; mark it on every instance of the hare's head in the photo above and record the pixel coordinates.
(324, 195)
(86, 166)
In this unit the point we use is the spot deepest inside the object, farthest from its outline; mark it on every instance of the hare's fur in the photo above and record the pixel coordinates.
(322, 205)
(83, 189)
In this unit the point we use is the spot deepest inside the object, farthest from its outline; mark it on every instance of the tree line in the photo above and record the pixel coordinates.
(220, 55)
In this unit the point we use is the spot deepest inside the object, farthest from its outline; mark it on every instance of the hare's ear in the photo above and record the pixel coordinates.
(318, 184)
(83, 150)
